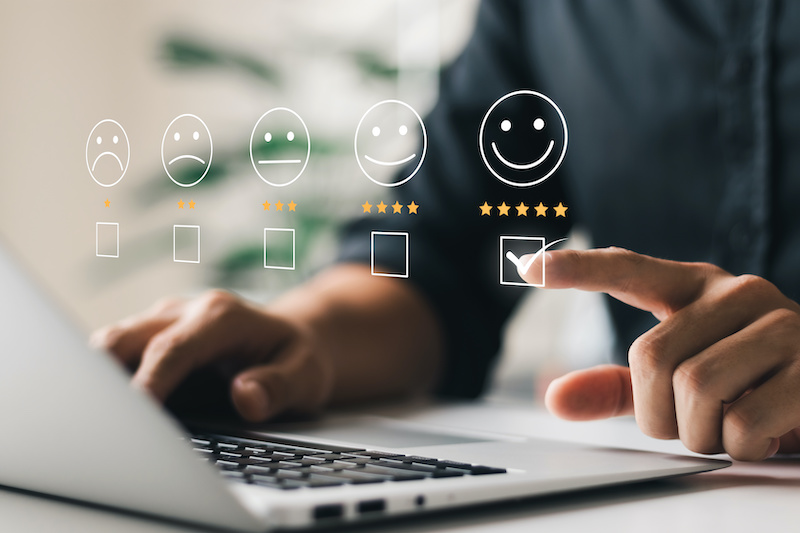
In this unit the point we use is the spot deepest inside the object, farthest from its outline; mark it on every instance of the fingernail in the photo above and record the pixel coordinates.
(257, 398)
(773, 448)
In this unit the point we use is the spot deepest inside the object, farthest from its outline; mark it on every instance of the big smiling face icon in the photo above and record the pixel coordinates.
(523, 138)
(280, 146)
(387, 143)
(186, 150)
(108, 153)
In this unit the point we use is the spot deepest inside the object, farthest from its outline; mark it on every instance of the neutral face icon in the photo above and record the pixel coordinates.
(523, 138)
(186, 150)
(387, 143)
(108, 153)
(280, 146)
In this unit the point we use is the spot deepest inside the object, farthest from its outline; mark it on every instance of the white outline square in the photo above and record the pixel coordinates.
(372, 253)
(97, 238)
(273, 267)
(503, 259)
(174, 250)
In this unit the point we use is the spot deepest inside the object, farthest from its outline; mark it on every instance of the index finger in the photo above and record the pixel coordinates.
(655, 285)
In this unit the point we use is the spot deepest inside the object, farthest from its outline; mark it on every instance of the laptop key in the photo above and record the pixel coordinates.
(395, 473)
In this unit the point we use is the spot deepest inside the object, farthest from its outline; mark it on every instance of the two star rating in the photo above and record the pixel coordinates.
(397, 207)
(522, 209)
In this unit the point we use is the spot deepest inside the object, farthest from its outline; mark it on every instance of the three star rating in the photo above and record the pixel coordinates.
(397, 208)
(279, 206)
(522, 209)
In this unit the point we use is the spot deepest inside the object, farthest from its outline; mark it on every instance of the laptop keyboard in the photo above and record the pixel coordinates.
(289, 464)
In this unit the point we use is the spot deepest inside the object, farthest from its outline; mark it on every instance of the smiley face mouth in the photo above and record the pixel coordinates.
(526, 166)
(279, 161)
(390, 163)
(187, 156)
(112, 154)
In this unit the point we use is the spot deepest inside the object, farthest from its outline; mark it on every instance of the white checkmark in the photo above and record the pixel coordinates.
(523, 269)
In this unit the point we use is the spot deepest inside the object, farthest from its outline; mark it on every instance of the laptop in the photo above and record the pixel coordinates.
(97, 213)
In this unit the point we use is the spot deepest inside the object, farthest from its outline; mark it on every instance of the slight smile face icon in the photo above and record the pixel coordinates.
(280, 146)
(387, 143)
(523, 138)
(186, 150)
(108, 153)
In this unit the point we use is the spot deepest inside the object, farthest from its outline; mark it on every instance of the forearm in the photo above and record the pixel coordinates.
(380, 336)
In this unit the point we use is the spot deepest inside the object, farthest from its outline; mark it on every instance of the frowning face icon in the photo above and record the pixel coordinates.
(186, 150)
(523, 138)
(108, 153)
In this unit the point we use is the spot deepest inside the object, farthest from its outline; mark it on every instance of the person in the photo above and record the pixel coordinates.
(682, 118)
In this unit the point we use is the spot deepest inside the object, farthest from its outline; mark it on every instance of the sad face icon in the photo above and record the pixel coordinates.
(523, 138)
(186, 150)
(108, 153)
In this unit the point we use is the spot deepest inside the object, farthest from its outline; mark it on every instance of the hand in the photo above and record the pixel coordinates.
(277, 364)
(721, 371)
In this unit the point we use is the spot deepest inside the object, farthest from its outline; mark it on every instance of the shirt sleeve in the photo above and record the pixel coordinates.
(453, 249)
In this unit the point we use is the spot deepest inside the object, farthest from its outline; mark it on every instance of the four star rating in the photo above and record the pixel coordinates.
(397, 208)
(521, 210)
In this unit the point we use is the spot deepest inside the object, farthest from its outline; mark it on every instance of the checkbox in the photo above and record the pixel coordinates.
(106, 239)
(279, 248)
(386, 247)
(186, 244)
(512, 249)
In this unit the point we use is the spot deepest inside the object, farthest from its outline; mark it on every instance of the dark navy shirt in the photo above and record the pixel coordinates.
(684, 143)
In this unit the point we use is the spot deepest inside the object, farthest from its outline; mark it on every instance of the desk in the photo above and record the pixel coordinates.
(745, 497)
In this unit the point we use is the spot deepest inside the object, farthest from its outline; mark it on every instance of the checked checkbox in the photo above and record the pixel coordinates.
(512, 251)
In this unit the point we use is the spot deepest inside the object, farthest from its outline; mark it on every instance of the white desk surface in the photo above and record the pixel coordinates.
(745, 497)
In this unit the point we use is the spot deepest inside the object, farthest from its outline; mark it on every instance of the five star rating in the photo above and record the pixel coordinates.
(397, 208)
(521, 210)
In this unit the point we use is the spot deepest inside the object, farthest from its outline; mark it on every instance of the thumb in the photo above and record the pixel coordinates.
(296, 380)
(600, 392)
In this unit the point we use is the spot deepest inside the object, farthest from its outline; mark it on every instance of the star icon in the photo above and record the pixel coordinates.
(382, 207)
(522, 210)
(397, 207)
(561, 210)
(367, 207)
(541, 210)
(412, 208)
(108, 202)
(279, 206)
(486, 209)
(293, 206)
(266, 206)
(503, 208)
(180, 204)
(191, 204)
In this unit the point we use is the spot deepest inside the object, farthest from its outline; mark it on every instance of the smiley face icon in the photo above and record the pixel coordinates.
(523, 138)
(387, 143)
(186, 150)
(108, 153)
(280, 146)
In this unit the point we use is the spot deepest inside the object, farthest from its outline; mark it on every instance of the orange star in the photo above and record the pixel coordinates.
(292, 206)
(279, 206)
(522, 210)
(108, 202)
(561, 210)
(382, 207)
(180, 204)
(541, 210)
(503, 208)
(266, 206)
(397, 206)
(191, 204)
(486, 209)
(412, 208)
(367, 207)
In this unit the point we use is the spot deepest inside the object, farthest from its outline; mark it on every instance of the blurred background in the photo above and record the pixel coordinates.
(66, 66)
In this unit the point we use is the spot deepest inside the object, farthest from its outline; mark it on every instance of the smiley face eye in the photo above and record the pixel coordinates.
(115, 139)
(177, 136)
(376, 131)
(196, 135)
(290, 136)
(403, 130)
(99, 140)
(268, 136)
(538, 124)
(505, 125)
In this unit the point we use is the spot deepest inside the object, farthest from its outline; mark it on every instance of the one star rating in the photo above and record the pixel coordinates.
(504, 210)
(279, 206)
(182, 204)
(397, 208)
(107, 202)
